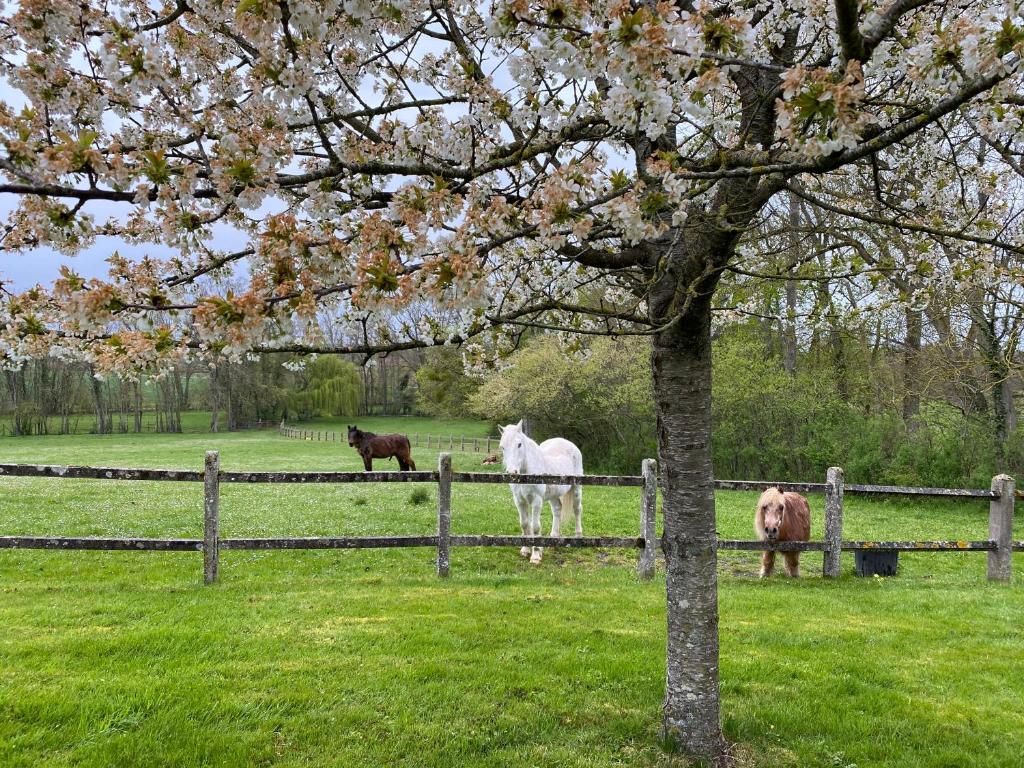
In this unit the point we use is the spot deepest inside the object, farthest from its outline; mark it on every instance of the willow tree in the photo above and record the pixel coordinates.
(584, 167)
(330, 387)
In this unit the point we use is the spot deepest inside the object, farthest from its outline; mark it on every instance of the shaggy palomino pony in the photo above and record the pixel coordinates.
(522, 456)
(371, 446)
(782, 517)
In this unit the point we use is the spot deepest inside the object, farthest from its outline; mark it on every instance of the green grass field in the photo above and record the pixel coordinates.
(365, 658)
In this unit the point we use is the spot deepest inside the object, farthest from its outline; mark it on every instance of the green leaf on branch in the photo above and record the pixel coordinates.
(157, 170)
(1009, 37)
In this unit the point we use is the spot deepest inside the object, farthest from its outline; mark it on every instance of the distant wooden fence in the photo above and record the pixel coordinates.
(211, 544)
(999, 545)
(460, 443)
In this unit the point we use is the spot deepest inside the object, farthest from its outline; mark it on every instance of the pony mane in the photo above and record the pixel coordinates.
(770, 494)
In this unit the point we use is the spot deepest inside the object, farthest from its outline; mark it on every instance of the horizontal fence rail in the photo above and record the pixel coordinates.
(499, 477)
(999, 546)
(99, 473)
(70, 542)
(331, 542)
(760, 485)
(855, 546)
(634, 542)
(328, 477)
(867, 490)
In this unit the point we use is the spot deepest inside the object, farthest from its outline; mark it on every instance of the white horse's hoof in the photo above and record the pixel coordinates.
(524, 551)
(535, 558)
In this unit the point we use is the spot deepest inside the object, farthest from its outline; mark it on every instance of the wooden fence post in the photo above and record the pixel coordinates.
(833, 522)
(211, 517)
(1000, 528)
(462, 443)
(648, 515)
(444, 512)
(451, 442)
(488, 445)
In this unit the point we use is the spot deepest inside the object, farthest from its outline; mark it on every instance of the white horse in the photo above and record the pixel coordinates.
(522, 456)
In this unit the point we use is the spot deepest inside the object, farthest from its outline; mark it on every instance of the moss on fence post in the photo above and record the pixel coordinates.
(833, 522)
(648, 512)
(211, 517)
(1000, 528)
(444, 512)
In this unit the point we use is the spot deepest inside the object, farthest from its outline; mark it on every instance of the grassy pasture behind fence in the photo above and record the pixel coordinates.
(999, 545)
(475, 444)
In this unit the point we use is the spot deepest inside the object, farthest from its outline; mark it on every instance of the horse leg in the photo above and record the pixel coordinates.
(767, 563)
(402, 466)
(792, 564)
(411, 464)
(524, 524)
(368, 462)
(556, 517)
(538, 552)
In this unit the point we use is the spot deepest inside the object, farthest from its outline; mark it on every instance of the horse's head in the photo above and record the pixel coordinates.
(771, 513)
(513, 448)
(353, 435)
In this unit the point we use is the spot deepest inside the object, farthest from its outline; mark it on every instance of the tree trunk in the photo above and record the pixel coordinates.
(789, 333)
(1010, 406)
(998, 373)
(911, 377)
(789, 330)
(100, 403)
(229, 398)
(176, 399)
(681, 364)
(215, 398)
(138, 405)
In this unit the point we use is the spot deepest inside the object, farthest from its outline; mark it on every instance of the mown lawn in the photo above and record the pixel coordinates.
(365, 658)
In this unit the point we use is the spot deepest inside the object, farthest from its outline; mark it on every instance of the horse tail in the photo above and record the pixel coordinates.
(574, 496)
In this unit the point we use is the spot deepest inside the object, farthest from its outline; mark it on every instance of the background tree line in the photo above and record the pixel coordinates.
(927, 396)
(54, 396)
(886, 394)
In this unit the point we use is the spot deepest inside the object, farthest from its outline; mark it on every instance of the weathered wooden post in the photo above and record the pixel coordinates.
(833, 522)
(444, 512)
(648, 516)
(451, 442)
(211, 517)
(462, 443)
(1000, 528)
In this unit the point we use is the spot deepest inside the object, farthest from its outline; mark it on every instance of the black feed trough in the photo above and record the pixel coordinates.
(876, 562)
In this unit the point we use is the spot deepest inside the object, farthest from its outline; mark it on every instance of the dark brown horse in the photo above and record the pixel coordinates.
(371, 446)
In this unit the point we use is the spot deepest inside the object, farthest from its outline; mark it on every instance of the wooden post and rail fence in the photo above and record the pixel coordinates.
(461, 443)
(999, 545)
